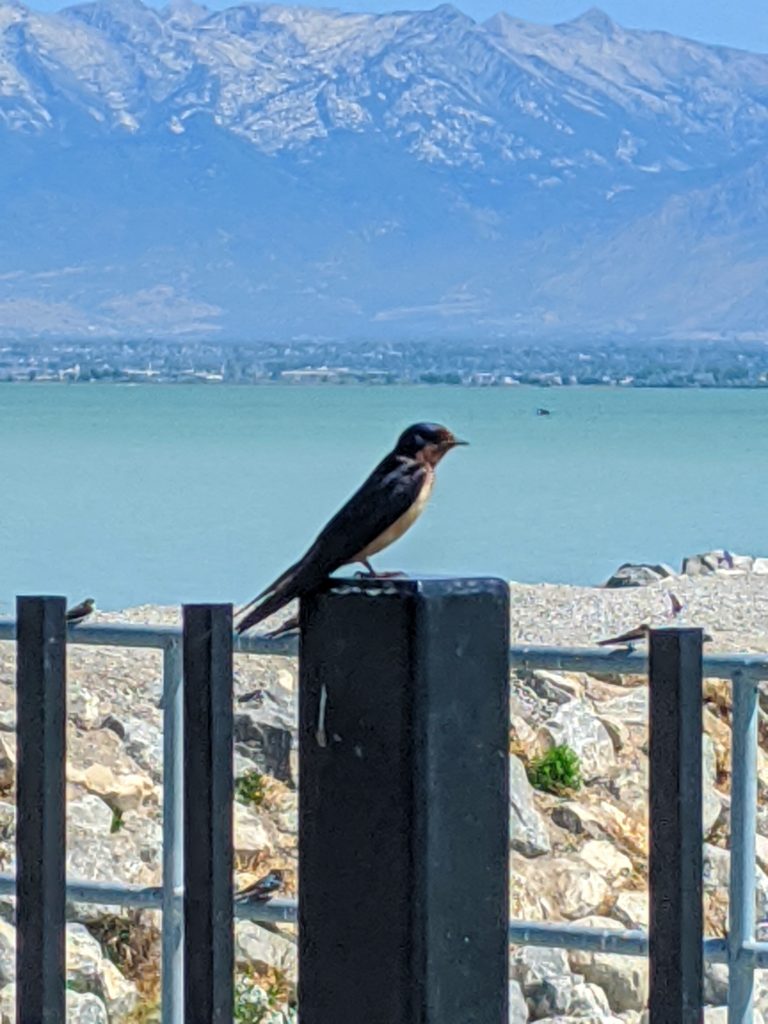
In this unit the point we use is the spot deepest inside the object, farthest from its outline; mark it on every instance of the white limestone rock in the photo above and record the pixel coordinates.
(576, 889)
(91, 813)
(631, 909)
(252, 837)
(555, 686)
(262, 949)
(578, 727)
(518, 1008)
(527, 829)
(624, 979)
(603, 857)
(530, 966)
(82, 1007)
(7, 952)
(89, 971)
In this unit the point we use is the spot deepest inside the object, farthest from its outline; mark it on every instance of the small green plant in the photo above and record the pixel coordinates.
(131, 940)
(249, 788)
(255, 1004)
(251, 1003)
(117, 820)
(556, 771)
(277, 986)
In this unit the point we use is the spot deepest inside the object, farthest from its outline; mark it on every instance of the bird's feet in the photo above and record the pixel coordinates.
(371, 574)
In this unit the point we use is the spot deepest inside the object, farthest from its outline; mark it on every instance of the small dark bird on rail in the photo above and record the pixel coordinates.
(80, 612)
(633, 636)
(262, 889)
(380, 512)
(255, 696)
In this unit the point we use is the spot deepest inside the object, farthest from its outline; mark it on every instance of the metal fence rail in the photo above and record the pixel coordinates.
(168, 897)
(740, 950)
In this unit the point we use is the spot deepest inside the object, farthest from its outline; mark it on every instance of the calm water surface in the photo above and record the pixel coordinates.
(163, 494)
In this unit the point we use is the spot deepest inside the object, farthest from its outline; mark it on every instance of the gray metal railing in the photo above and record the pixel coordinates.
(168, 897)
(739, 950)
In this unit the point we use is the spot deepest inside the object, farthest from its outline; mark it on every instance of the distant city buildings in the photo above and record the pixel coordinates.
(671, 365)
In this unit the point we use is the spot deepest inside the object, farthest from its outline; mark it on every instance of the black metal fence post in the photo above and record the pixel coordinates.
(41, 809)
(676, 930)
(208, 794)
(404, 816)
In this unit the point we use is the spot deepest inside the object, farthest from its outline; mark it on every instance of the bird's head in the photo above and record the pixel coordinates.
(89, 602)
(429, 441)
(271, 882)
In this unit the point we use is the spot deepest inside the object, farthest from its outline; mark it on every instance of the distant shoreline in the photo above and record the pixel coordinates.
(351, 383)
(508, 363)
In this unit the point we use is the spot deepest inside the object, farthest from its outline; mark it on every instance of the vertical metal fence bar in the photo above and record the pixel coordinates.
(741, 909)
(41, 808)
(208, 796)
(404, 803)
(675, 868)
(173, 839)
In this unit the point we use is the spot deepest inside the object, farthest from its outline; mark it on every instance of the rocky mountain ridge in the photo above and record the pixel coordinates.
(274, 171)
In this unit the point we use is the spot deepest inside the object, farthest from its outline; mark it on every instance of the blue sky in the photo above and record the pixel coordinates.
(741, 23)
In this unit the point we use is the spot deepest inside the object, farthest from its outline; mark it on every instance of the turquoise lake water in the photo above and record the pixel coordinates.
(167, 494)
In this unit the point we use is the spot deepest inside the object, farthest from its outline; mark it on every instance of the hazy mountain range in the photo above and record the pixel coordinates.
(270, 172)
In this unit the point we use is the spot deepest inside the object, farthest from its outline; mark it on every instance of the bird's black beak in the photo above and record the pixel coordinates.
(457, 441)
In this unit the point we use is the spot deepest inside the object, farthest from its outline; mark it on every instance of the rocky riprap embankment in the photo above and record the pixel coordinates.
(581, 856)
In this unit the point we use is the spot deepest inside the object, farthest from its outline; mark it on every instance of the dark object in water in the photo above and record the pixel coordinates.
(543, 412)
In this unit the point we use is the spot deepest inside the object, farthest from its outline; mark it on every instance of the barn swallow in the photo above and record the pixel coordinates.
(630, 637)
(262, 889)
(633, 636)
(676, 603)
(257, 696)
(380, 512)
(80, 612)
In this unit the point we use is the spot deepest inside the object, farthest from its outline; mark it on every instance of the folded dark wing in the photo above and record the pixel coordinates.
(385, 496)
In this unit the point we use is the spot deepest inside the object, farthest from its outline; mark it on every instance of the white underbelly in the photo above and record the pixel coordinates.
(398, 528)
